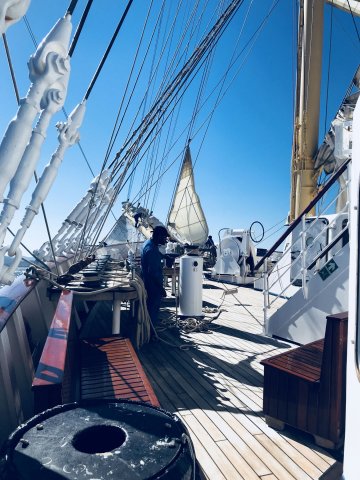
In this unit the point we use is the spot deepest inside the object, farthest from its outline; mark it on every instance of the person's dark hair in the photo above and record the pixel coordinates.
(159, 232)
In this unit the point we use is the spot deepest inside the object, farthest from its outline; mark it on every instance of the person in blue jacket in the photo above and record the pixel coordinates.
(152, 271)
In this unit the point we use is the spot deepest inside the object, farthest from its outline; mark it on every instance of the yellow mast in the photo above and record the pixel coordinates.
(307, 100)
(307, 106)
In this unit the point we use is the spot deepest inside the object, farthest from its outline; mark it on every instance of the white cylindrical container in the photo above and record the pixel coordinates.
(190, 286)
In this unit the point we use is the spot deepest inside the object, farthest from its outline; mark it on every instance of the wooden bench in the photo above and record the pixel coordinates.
(71, 369)
(110, 369)
(306, 387)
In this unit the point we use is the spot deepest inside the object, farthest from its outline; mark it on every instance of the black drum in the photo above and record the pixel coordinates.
(99, 440)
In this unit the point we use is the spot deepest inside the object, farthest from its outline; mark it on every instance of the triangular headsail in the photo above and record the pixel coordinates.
(122, 238)
(186, 221)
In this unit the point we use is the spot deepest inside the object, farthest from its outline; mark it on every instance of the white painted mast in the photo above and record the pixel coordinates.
(307, 108)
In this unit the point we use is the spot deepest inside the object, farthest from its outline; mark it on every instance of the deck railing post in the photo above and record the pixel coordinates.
(266, 297)
(303, 258)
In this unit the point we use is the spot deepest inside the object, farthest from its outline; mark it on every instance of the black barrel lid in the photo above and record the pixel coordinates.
(111, 440)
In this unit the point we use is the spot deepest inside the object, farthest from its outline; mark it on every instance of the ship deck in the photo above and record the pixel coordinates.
(213, 381)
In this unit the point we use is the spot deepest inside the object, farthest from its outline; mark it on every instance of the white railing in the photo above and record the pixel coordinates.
(310, 243)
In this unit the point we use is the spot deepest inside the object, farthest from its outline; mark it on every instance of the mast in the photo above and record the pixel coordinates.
(307, 106)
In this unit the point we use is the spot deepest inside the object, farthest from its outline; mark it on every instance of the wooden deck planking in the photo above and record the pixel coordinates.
(216, 388)
(252, 442)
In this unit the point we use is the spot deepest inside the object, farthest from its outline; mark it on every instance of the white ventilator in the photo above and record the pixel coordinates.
(190, 286)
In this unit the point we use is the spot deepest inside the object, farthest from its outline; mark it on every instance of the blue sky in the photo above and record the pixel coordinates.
(242, 167)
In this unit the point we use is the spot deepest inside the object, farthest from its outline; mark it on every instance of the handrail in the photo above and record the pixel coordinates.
(307, 209)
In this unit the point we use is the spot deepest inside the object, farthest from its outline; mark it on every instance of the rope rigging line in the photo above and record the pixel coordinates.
(257, 32)
(250, 42)
(32, 36)
(167, 73)
(149, 175)
(116, 128)
(167, 41)
(150, 81)
(130, 161)
(252, 39)
(186, 142)
(72, 7)
(161, 104)
(171, 68)
(122, 176)
(102, 62)
(29, 251)
(213, 110)
(142, 104)
(329, 67)
(191, 127)
(12, 73)
(80, 27)
(105, 217)
(353, 19)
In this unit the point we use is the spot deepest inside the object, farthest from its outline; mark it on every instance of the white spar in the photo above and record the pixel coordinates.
(49, 63)
(52, 102)
(68, 135)
(98, 200)
(78, 214)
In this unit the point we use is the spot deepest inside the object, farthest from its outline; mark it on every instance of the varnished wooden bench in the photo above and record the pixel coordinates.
(108, 368)
(305, 387)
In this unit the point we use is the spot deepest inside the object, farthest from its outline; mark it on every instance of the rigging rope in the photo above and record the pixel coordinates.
(80, 27)
(353, 19)
(252, 38)
(329, 67)
(72, 7)
(136, 145)
(102, 62)
(115, 133)
(164, 101)
(12, 73)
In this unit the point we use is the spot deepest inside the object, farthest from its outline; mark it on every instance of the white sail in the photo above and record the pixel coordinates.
(186, 219)
(123, 238)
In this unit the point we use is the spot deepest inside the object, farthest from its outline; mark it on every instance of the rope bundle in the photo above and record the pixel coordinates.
(143, 322)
